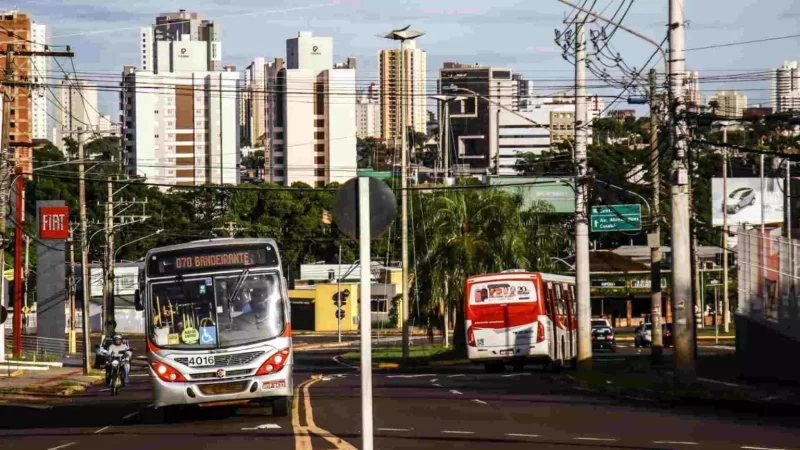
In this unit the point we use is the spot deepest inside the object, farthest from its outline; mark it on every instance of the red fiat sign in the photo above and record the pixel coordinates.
(53, 222)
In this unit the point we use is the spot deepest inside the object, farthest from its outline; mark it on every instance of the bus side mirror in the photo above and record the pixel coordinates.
(137, 301)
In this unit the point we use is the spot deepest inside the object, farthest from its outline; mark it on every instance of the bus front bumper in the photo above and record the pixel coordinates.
(225, 391)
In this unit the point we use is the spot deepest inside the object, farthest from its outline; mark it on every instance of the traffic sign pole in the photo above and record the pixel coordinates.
(365, 313)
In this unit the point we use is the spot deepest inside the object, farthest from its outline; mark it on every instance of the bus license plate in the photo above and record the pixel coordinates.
(506, 352)
(201, 361)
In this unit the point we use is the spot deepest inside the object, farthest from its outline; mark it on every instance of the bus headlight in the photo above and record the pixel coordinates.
(275, 363)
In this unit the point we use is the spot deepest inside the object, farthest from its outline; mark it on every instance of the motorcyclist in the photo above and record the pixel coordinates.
(120, 348)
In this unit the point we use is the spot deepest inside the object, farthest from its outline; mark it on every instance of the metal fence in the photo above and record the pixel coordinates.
(44, 348)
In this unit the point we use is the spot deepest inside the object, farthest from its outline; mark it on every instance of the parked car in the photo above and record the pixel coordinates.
(603, 337)
(643, 336)
(740, 199)
(598, 322)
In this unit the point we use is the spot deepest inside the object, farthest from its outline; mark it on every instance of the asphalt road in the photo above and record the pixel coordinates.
(456, 406)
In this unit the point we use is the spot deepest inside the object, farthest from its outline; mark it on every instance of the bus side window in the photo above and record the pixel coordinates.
(573, 299)
(559, 301)
(548, 295)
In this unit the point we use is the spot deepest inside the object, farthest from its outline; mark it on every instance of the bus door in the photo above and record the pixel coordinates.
(569, 300)
(552, 313)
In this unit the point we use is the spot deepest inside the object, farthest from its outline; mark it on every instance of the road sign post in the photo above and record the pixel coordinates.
(364, 209)
(616, 218)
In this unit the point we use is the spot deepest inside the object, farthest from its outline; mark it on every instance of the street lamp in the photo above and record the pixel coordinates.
(111, 276)
(649, 212)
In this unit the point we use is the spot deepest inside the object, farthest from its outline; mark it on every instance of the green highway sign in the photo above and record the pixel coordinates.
(616, 218)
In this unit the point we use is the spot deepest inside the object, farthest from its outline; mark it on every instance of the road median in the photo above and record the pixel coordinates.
(392, 358)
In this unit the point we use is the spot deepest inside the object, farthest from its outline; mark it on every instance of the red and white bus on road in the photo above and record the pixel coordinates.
(517, 317)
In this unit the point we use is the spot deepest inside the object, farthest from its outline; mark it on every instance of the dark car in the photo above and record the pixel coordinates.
(603, 338)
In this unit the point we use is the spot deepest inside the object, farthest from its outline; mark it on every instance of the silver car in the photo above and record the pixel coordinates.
(740, 199)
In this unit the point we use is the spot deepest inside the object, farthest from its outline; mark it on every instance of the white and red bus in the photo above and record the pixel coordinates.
(517, 317)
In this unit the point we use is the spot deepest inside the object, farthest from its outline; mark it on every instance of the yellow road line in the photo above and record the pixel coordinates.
(302, 437)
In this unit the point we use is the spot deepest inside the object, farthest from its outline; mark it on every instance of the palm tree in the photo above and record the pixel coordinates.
(471, 232)
(714, 106)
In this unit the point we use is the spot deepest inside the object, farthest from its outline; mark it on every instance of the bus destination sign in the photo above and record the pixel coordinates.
(211, 259)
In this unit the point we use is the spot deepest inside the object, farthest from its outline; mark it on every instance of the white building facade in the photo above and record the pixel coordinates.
(368, 113)
(39, 125)
(547, 122)
(311, 115)
(731, 103)
(785, 87)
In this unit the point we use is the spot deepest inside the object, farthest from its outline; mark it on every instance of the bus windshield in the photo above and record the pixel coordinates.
(216, 311)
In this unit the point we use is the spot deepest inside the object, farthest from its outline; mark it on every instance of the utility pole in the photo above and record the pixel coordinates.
(403, 200)
(5, 166)
(684, 357)
(27, 265)
(726, 317)
(18, 265)
(657, 347)
(71, 292)
(581, 208)
(87, 330)
(108, 267)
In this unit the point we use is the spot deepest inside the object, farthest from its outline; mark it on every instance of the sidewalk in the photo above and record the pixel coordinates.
(53, 382)
(717, 385)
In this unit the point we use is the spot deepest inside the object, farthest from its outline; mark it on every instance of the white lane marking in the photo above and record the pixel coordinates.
(437, 385)
(434, 380)
(412, 376)
(394, 429)
(522, 435)
(455, 392)
(610, 359)
(578, 388)
(338, 360)
(675, 442)
(480, 402)
(131, 415)
(61, 446)
(102, 429)
(760, 448)
(105, 390)
(594, 439)
(457, 432)
(723, 383)
(456, 376)
(150, 405)
(266, 426)
(515, 375)
(133, 375)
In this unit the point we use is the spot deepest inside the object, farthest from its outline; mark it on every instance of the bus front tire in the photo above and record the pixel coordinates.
(281, 406)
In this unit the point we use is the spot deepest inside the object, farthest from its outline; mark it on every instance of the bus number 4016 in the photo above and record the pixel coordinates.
(199, 361)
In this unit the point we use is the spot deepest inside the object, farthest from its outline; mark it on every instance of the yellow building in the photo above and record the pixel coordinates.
(314, 306)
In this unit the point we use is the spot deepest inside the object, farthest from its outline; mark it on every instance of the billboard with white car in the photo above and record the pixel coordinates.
(744, 201)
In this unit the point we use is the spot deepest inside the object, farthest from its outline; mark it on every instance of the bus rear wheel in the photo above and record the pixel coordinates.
(282, 406)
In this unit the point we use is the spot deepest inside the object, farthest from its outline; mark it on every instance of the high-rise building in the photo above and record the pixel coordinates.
(253, 104)
(368, 112)
(180, 42)
(473, 121)
(785, 91)
(413, 94)
(691, 89)
(39, 77)
(16, 28)
(186, 131)
(523, 98)
(311, 115)
(731, 103)
(77, 105)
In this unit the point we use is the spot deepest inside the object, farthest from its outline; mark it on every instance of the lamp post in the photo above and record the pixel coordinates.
(403, 35)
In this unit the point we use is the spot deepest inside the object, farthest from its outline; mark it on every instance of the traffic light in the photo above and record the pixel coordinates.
(345, 294)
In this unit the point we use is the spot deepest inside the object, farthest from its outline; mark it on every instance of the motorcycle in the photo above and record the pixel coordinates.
(115, 373)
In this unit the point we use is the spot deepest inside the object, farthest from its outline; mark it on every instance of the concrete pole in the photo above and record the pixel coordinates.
(71, 293)
(403, 201)
(365, 314)
(681, 255)
(763, 270)
(726, 315)
(339, 296)
(657, 347)
(108, 285)
(87, 329)
(583, 292)
(446, 139)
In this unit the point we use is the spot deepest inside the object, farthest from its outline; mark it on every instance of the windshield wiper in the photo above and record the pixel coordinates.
(236, 288)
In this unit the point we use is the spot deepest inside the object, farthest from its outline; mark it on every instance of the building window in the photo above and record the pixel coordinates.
(319, 184)
(156, 136)
(320, 98)
(319, 148)
(279, 160)
(379, 305)
(319, 135)
(319, 123)
(319, 160)
(156, 111)
(319, 172)
(279, 173)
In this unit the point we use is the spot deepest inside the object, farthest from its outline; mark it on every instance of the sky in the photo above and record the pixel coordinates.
(517, 34)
